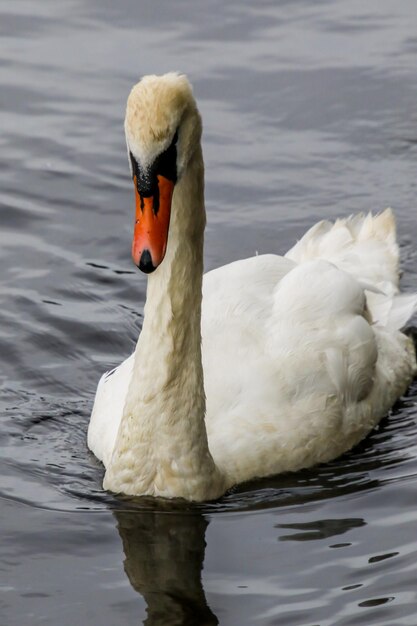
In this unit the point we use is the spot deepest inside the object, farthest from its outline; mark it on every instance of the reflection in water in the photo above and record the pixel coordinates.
(320, 529)
(164, 558)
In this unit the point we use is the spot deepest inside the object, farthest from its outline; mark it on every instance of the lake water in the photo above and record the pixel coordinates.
(310, 111)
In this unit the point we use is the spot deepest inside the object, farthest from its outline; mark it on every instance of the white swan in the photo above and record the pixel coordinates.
(301, 354)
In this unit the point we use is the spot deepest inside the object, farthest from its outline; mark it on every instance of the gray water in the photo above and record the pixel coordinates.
(310, 111)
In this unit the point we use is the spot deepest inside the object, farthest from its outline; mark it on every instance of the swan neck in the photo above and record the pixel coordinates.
(161, 447)
(172, 321)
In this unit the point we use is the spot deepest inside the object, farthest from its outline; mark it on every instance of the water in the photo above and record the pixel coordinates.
(309, 112)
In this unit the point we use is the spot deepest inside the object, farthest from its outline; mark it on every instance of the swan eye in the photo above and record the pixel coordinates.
(135, 166)
(165, 163)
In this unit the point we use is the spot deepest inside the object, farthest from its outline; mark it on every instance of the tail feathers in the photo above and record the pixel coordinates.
(363, 245)
(392, 312)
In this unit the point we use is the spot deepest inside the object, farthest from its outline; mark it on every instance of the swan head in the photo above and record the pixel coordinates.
(163, 127)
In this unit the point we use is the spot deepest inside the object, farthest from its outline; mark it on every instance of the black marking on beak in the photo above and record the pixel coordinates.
(145, 262)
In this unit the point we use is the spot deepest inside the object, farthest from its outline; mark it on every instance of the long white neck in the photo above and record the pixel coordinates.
(161, 447)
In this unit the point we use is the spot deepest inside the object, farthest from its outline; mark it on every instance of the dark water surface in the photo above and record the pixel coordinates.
(310, 110)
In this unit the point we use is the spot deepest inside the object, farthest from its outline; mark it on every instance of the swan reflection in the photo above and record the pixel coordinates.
(164, 554)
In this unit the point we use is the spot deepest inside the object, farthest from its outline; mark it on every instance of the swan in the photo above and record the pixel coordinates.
(291, 360)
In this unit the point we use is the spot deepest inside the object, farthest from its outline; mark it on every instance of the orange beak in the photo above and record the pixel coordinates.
(150, 236)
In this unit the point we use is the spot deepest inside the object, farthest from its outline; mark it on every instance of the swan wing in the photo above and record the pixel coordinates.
(362, 245)
(108, 409)
(300, 376)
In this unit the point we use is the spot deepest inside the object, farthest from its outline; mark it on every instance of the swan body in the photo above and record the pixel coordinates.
(289, 362)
